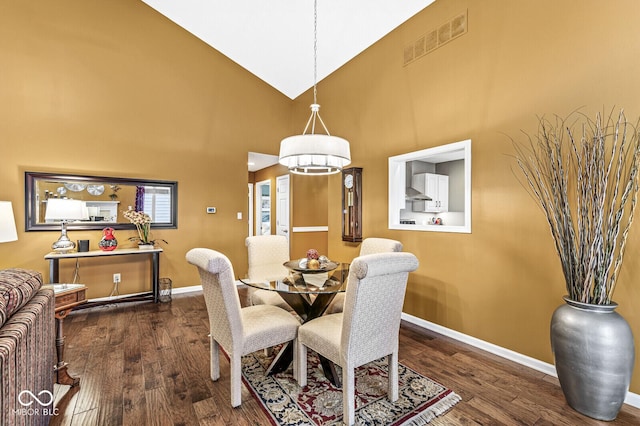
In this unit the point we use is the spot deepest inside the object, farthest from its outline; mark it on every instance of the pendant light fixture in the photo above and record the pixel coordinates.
(312, 153)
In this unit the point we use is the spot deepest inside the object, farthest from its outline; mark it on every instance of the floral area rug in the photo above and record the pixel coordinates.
(320, 403)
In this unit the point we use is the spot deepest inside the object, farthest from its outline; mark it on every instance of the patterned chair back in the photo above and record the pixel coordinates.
(266, 255)
(373, 305)
(379, 245)
(220, 295)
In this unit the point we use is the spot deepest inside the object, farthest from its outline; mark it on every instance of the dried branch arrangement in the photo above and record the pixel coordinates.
(587, 185)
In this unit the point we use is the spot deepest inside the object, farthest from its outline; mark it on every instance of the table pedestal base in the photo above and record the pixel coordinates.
(307, 310)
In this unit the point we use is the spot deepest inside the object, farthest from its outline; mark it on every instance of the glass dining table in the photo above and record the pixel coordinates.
(308, 292)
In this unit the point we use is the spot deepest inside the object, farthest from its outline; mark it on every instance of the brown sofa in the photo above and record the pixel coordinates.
(27, 348)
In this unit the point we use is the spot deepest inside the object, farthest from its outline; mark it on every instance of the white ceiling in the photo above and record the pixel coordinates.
(258, 161)
(273, 39)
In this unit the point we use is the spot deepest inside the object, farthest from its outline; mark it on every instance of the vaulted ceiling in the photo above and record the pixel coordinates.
(273, 39)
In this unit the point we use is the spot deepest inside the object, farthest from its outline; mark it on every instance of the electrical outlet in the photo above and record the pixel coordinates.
(116, 278)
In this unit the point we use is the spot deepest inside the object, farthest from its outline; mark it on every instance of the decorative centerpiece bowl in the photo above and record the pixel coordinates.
(312, 264)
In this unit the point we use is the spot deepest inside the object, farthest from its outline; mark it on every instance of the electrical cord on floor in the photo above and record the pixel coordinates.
(76, 273)
(115, 291)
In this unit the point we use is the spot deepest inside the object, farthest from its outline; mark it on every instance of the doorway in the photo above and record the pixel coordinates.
(263, 207)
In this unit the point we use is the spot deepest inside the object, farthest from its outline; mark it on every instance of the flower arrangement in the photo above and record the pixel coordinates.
(586, 183)
(142, 221)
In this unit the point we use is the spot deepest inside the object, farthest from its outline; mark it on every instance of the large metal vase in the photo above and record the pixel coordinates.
(594, 355)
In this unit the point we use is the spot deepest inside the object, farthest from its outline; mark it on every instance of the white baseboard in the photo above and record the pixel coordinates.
(189, 289)
(632, 399)
(193, 288)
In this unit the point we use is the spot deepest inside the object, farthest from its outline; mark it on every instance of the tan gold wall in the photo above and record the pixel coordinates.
(309, 200)
(115, 89)
(518, 60)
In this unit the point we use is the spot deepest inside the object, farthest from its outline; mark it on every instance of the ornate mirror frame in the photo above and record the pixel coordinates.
(93, 189)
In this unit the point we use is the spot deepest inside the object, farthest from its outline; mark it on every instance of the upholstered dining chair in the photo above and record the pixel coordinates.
(369, 245)
(368, 327)
(240, 331)
(266, 255)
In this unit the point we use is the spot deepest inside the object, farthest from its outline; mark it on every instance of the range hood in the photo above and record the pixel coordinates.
(412, 194)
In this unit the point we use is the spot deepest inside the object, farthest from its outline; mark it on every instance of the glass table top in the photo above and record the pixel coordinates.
(334, 281)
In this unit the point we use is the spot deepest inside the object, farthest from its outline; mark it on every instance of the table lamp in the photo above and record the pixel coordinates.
(7, 223)
(65, 211)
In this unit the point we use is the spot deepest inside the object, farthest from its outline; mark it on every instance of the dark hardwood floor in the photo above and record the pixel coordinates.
(146, 364)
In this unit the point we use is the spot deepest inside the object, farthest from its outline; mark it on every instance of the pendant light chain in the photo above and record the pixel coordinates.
(315, 50)
(315, 108)
(314, 154)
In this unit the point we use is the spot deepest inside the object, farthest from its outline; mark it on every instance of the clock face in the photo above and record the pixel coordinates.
(95, 189)
(75, 187)
(348, 181)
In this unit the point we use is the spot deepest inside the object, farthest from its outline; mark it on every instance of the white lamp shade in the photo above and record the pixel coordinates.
(314, 154)
(7, 223)
(61, 209)
(85, 211)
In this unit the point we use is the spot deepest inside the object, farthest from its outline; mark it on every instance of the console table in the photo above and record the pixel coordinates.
(54, 270)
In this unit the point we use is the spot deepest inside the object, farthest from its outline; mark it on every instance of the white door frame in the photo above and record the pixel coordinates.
(250, 214)
(283, 202)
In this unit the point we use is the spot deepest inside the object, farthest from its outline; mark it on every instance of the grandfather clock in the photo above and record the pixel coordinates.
(352, 204)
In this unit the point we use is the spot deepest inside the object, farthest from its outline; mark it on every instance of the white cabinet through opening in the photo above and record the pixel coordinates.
(436, 187)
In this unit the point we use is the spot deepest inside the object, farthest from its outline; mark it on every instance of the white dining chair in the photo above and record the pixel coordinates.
(266, 256)
(369, 245)
(240, 331)
(368, 327)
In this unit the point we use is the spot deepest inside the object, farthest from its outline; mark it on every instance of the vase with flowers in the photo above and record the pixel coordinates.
(584, 175)
(142, 221)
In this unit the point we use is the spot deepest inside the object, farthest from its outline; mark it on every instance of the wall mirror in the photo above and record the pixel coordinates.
(430, 190)
(106, 198)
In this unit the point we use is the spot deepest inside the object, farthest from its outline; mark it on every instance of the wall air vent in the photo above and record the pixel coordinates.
(419, 47)
(408, 54)
(430, 41)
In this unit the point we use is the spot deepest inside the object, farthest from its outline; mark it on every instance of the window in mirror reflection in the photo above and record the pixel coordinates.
(157, 203)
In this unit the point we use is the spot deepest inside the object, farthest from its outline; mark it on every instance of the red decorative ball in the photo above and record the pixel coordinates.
(312, 254)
